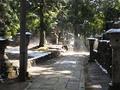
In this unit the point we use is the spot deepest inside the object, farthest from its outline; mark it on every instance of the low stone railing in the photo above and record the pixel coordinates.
(108, 56)
(103, 55)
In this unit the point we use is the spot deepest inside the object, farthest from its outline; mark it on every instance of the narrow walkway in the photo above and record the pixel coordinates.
(63, 73)
(96, 79)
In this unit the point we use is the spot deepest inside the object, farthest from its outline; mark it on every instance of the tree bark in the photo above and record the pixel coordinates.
(23, 48)
(42, 29)
(76, 39)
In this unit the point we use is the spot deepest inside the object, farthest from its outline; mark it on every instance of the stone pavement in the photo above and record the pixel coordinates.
(65, 73)
(97, 78)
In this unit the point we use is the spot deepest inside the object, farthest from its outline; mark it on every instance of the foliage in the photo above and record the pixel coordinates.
(87, 16)
(51, 9)
(9, 20)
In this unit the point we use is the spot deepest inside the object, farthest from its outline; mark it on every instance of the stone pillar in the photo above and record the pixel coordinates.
(99, 37)
(114, 35)
(91, 43)
(28, 34)
(3, 67)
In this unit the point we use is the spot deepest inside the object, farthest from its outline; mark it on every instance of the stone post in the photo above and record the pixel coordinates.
(3, 67)
(91, 43)
(28, 34)
(114, 35)
(99, 37)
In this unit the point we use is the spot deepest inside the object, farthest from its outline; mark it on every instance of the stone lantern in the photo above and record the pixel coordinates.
(114, 35)
(3, 67)
(99, 37)
(91, 43)
(28, 34)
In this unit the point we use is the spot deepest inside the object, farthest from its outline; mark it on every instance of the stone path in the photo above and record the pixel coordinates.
(67, 73)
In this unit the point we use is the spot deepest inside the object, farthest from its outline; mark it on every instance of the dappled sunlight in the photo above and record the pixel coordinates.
(60, 68)
(69, 62)
(54, 72)
(47, 73)
(37, 70)
(64, 72)
(35, 74)
(66, 62)
(75, 53)
(94, 86)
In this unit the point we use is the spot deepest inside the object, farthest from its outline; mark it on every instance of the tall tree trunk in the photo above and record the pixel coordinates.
(76, 39)
(42, 29)
(23, 48)
(56, 38)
